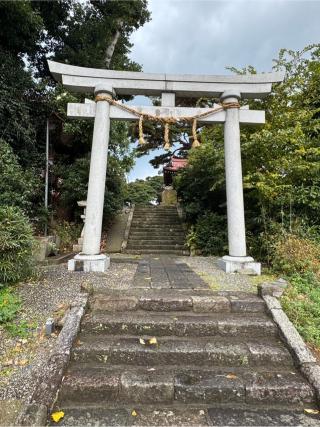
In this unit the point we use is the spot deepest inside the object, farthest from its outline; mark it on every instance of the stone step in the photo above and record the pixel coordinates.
(185, 415)
(154, 252)
(183, 385)
(157, 234)
(152, 240)
(156, 214)
(180, 324)
(155, 209)
(165, 301)
(128, 350)
(153, 246)
(153, 218)
(157, 227)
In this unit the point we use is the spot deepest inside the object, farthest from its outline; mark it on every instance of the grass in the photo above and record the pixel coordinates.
(301, 302)
(10, 305)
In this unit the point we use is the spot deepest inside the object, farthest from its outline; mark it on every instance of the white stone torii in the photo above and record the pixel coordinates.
(230, 89)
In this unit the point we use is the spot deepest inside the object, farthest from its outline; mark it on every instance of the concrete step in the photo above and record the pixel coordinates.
(128, 350)
(171, 300)
(190, 324)
(185, 415)
(183, 385)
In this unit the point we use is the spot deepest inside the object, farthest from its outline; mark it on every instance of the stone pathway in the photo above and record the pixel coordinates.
(170, 351)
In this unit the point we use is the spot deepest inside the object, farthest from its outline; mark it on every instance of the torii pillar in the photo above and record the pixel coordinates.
(91, 258)
(237, 258)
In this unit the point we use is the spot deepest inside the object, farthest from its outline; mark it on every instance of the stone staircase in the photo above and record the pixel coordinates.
(216, 359)
(158, 230)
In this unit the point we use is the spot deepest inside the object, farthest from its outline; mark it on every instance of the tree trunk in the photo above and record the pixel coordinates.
(110, 49)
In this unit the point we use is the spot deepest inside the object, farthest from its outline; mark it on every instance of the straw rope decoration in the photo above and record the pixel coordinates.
(166, 121)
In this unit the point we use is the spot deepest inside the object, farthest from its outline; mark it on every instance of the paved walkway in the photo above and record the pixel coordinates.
(166, 272)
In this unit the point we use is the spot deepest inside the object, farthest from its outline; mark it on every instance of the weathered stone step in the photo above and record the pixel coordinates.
(164, 301)
(194, 385)
(158, 219)
(159, 251)
(157, 234)
(157, 225)
(152, 240)
(160, 246)
(173, 351)
(186, 415)
(191, 324)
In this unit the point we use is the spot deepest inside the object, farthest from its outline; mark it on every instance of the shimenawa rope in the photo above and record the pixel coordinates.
(168, 120)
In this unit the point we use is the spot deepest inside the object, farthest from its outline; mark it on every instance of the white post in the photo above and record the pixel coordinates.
(237, 258)
(90, 258)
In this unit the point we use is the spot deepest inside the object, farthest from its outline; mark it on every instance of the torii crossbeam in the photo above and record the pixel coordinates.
(105, 83)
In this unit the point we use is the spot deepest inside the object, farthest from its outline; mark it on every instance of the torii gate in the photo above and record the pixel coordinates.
(105, 83)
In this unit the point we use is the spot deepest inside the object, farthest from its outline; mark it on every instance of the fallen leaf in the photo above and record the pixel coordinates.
(142, 341)
(133, 413)
(311, 411)
(231, 376)
(147, 278)
(23, 362)
(153, 341)
(57, 416)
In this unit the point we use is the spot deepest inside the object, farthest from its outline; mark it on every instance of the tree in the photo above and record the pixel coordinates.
(144, 192)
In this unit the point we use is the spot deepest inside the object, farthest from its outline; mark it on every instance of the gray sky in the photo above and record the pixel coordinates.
(205, 36)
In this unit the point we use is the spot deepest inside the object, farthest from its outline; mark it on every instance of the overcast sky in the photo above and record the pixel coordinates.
(205, 36)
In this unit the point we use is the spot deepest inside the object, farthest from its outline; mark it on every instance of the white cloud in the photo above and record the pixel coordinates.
(205, 36)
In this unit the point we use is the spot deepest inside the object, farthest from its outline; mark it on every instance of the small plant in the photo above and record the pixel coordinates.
(9, 305)
(68, 233)
(22, 329)
(16, 246)
(294, 254)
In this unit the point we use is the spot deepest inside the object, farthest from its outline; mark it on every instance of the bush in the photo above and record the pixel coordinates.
(209, 235)
(16, 245)
(17, 187)
(68, 233)
(294, 254)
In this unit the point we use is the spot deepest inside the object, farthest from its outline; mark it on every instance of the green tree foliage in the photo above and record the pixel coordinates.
(18, 187)
(16, 245)
(91, 33)
(281, 161)
(144, 191)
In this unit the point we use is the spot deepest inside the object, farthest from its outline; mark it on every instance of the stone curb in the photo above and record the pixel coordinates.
(127, 230)
(36, 411)
(305, 359)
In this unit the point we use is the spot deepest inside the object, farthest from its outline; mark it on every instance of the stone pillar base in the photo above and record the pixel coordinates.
(232, 264)
(87, 263)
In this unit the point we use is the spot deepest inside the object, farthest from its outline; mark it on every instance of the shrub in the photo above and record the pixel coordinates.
(209, 235)
(294, 254)
(68, 233)
(17, 187)
(16, 245)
